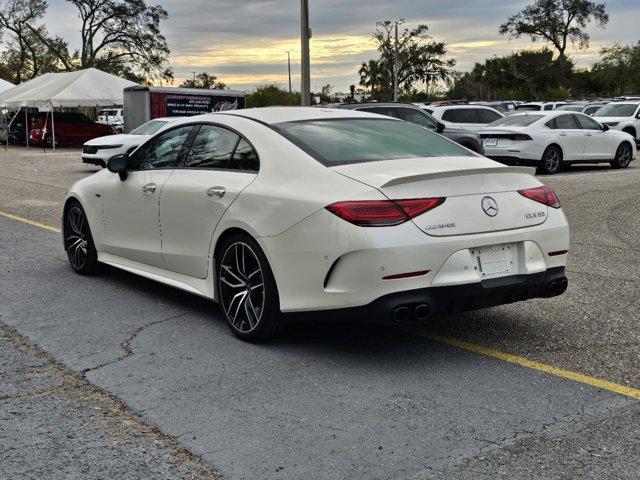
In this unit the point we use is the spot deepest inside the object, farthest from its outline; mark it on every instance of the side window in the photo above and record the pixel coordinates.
(244, 158)
(586, 123)
(419, 118)
(566, 122)
(487, 116)
(552, 124)
(161, 151)
(386, 111)
(448, 116)
(548, 107)
(467, 115)
(212, 148)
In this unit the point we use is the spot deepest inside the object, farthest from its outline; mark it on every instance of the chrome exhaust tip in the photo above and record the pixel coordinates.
(422, 312)
(401, 314)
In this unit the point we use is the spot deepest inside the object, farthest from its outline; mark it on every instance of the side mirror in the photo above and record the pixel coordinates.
(605, 128)
(118, 164)
(440, 127)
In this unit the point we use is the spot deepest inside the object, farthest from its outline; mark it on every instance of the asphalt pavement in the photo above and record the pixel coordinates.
(333, 400)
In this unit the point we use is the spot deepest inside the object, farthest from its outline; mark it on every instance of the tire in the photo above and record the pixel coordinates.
(78, 241)
(247, 291)
(623, 156)
(551, 161)
(47, 141)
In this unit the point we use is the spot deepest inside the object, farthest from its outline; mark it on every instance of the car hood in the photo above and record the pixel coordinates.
(117, 139)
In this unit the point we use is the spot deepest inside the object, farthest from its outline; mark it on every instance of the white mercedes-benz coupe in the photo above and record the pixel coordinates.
(555, 139)
(281, 210)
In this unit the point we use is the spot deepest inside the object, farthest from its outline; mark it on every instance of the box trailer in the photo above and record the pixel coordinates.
(142, 103)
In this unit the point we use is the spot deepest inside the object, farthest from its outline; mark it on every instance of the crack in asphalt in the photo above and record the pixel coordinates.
(126, 344)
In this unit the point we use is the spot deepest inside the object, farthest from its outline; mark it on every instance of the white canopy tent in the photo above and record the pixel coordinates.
(83, 88)
(4, 85)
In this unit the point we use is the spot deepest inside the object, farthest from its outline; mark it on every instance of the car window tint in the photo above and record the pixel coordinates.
(162, 151)
(587, 123)
(416, 116)
(244, 158)
(487, 116)
(592, 110)
(566, 122)
(340, 142)
(386, 111)
(466, 115)
(212, 148)
(448, 116)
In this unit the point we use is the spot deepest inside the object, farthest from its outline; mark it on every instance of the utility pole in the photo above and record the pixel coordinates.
(289, 63)
(194, 78)
(395, 66)
(305, 90)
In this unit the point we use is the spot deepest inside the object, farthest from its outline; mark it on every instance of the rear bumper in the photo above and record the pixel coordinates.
(419, 305)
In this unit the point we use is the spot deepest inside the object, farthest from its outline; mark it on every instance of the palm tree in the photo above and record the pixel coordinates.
(370, 73)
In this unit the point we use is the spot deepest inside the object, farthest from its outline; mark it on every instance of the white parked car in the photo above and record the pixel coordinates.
(623, 116)
(282, 210)
(99, 150)
(551, 140)
(539, 106)
(470, 118)
(586, 108)
(113, 117)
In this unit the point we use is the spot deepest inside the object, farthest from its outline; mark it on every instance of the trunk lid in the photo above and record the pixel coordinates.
(473, 187)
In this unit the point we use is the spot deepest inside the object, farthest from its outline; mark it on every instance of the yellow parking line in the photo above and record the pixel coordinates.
(454, 342)
(523, 362)
(30, 222)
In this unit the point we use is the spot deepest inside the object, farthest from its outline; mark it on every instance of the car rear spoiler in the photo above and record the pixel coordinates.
(458, 173)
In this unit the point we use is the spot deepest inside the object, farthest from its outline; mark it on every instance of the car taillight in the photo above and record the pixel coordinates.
(521, 137)
(383, 213)
(543, 195)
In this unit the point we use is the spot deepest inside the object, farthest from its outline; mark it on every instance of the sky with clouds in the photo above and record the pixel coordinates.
(245, 42)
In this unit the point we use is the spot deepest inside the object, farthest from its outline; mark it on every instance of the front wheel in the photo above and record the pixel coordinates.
(48, 141)
(78, 242)
(247, 290)
(551, 160)
(623, 156)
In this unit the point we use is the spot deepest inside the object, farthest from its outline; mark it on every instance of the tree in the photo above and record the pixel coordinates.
(558, 22)
(204, 80)
(24, 55)
(619, 67)
(372, 77)
(271, 94)
(417, 56)
(119, 36)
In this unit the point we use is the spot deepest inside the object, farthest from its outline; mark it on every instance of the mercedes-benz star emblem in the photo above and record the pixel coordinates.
(490, 206)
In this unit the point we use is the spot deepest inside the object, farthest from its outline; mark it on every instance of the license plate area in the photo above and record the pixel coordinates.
(491, 142)
(495, 261)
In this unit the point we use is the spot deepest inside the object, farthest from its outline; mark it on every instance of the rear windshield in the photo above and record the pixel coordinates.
(516, 121)
(617, 110)
(149, 128)
(343, 141)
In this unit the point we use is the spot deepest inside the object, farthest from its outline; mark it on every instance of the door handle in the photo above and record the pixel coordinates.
(588, 134)
(562, 134)
(216, 192)
(149, 188)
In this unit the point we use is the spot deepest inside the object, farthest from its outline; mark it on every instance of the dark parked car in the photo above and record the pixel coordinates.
(414, 114)
(70, 129)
